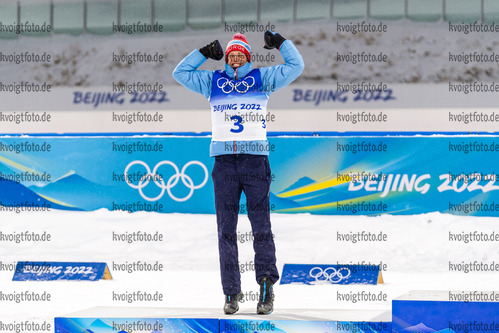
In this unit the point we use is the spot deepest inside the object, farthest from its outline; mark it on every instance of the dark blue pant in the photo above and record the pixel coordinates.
(231, 175)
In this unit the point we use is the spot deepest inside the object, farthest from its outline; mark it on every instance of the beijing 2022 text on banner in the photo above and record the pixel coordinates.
(319, 175)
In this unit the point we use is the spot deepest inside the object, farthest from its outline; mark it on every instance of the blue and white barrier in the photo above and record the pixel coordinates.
(320, 175)
(331, 274)
(53, 271)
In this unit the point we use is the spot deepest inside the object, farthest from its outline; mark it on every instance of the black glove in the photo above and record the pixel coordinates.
(272, 40)
(213, 50)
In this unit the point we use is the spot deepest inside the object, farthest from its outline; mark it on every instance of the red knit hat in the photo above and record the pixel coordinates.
(238, 43)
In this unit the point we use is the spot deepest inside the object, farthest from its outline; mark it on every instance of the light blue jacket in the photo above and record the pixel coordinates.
(187, 74)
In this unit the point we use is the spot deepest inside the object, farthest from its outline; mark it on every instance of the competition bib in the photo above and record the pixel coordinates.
(238, 108)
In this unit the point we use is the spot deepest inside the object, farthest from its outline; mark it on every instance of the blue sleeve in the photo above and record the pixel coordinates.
(280, 76)
(186, 74)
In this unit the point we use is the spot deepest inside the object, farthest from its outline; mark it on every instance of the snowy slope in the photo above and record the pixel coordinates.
(416, 52)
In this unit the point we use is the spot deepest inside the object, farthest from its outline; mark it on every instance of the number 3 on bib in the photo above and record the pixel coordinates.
(237, 123)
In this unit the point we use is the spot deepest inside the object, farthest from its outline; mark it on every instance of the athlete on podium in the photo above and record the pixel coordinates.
(238, 98)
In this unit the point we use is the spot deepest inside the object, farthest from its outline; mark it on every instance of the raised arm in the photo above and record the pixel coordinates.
(280, 76)
(187, 74)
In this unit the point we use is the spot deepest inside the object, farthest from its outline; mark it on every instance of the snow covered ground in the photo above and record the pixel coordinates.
(416, 53)
(417, 255)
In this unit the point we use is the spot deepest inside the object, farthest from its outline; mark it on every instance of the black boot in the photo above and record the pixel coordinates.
(266, 301)
(232, 303)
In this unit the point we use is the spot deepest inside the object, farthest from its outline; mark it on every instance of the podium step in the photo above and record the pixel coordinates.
(446, 311)
(166, 320)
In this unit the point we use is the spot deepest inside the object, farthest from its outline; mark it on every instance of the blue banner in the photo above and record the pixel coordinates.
(52, 271)
(319, 175)
(302, 326)
(149, 325)
(427, 311)
(213, 325)
(331, 274)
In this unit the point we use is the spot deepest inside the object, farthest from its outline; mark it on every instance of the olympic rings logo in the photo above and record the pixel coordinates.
(227, 85)
(172, 181)
(330, 274)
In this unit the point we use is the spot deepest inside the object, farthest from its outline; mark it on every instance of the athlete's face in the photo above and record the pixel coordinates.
(236, 59)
